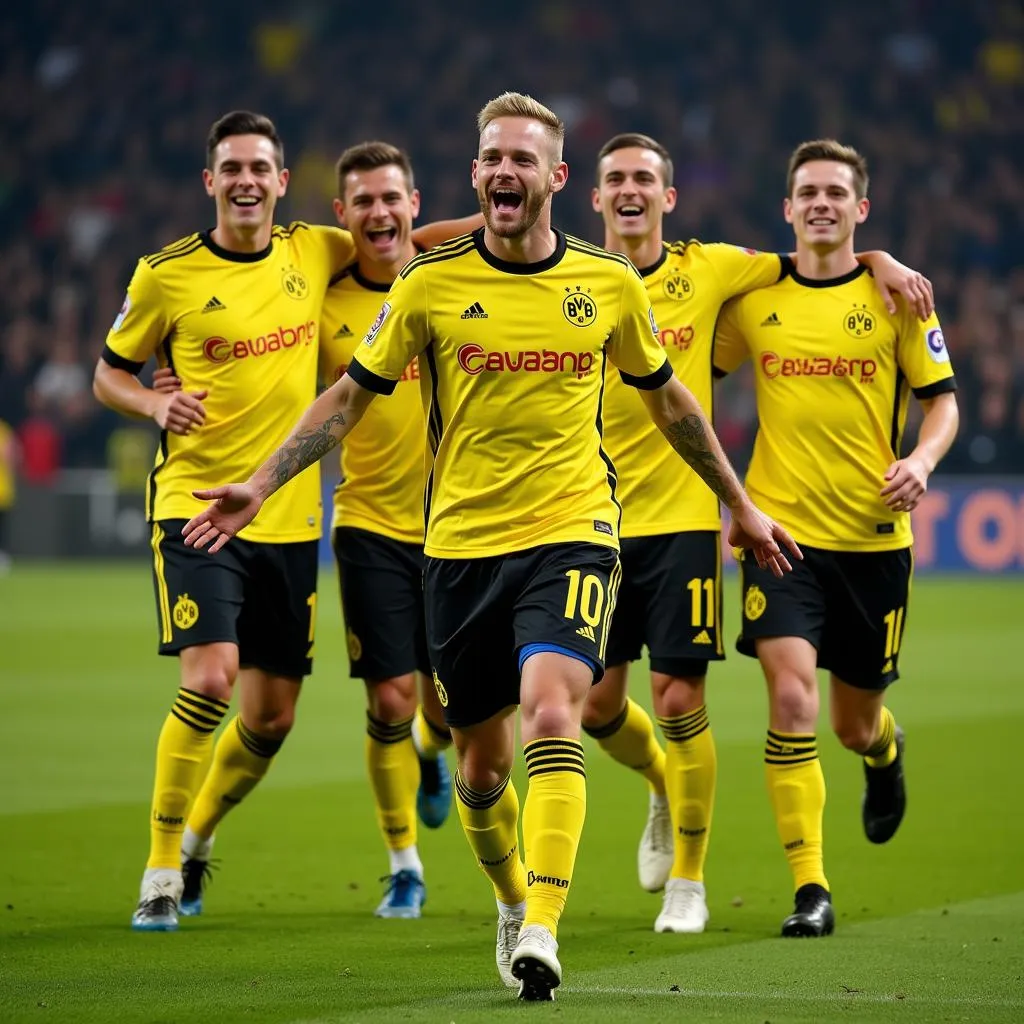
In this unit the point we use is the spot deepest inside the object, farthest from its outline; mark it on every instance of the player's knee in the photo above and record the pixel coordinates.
(855, 735)
(676, 695)
(214, 679)
(794, 704)
(274, 722)
(482, 766)
(601, 708)
(392, 700)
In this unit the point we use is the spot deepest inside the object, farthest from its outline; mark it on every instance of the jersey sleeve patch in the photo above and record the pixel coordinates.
(650, 382)
(936, 345)
(378, 323)
(371, 381)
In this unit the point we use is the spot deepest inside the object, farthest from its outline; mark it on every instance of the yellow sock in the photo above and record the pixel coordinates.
(882, 752)
(430, 738)
(691, 770)
(394, 772)
(631, 741)
(556, 806)
(491, 823)
(796, 785)
(240, 759)
(181, 758)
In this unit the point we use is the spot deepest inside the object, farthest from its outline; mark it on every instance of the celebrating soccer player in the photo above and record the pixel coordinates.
(512, 326)
(834, 370)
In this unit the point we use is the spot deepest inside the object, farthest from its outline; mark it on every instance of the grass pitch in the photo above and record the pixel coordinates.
(929, 927)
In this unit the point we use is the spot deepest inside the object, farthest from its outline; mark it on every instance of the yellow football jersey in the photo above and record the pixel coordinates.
(6, 466)
(512, 364)
(833, 374)
(383, 459)
(245, 327)
(687, 287)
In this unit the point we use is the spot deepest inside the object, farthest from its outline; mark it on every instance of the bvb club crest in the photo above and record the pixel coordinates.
(579, 307)
(355, 645)
(754, 603)
(678, 287)
(859, 322)
(294, 285)
(186, 612)
(442, 693)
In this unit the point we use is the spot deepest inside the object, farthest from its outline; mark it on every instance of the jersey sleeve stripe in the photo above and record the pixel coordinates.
(940, 387)
(340, 275)
(111, 358)
(371, 381)
(164, 257)
(652, 381)
(178, 246)
(448, 251)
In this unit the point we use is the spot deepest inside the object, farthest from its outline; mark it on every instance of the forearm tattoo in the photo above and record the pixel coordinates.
(690, 440)
(304, 449)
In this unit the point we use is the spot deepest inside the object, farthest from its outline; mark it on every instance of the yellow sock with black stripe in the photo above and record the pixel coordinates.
(882, 751)
(691, 771)
(429, 737)
(491, 823)
(796, 786)
(182, 753)
(240, 759)
(394, 772)
(629, 738)
(556, 806)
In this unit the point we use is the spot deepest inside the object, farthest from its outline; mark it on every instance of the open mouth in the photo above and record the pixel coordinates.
(505, 200)
(382, 236)
(630, 211)
(821, 222)
(245, 202)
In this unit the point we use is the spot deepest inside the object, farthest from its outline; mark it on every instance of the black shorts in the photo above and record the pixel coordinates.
(382, 602)
(850, 605)
(671, 600)
(259, 596)
(483, 612)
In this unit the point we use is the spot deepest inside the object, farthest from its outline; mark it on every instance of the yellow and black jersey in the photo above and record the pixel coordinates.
(245, 327)
(833, 374)
(383, 459)
(6, 467)
(687, 287)
(512, 368)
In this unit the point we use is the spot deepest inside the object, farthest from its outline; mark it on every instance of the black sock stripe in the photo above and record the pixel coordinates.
(602, 732)
(479, 801)
(217, 702)
(388, 732)
(442, 732)
(549, 770)
(191, 724)
(541, 747)
(261, 746)
(200, 700)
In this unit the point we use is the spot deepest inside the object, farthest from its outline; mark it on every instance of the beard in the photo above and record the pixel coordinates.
(527, 213)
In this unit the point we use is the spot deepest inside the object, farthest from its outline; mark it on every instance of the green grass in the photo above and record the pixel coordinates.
(929, 927)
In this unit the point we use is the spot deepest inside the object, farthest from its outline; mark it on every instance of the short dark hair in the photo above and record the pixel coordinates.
(829, 149)
(366, 156)
(243, 122)
(634, 140)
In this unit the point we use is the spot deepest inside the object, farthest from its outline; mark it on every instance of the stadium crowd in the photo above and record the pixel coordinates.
(106, 113)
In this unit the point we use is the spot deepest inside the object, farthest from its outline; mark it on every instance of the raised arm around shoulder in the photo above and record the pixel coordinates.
(440, 231)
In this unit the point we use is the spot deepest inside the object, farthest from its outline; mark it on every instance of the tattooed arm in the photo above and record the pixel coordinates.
(680, 418)
(323, 425)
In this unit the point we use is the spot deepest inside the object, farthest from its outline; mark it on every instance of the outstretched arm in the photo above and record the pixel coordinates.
(906, 480)
(680, 418)
(234, 506)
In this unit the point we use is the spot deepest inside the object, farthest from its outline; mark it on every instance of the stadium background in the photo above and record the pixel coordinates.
(104, 109)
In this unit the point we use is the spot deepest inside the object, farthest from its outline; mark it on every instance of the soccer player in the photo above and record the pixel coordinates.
(512, 325)
(834, 370)
(378, 526)
(235, 313)
(670, 597)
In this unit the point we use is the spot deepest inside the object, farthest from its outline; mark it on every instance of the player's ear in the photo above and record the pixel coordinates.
(863, 208)
(595, 199)
(208, 181)
(671, 195)
(414, 202)
(282, 181)
(339, 210)
(473, 170)
(787, 209)
(559, 176)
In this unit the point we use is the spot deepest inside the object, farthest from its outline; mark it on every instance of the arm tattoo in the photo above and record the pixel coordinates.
(690, 440)
(304, 449)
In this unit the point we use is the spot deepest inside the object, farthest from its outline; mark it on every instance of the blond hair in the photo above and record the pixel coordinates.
(829, 149)
(516, 104)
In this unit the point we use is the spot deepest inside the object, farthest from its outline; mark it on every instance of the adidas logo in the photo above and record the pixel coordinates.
(587, 632)
(343, 332)
(772, 320)
(476, 312)
(702, 637)
(214, 305)
(887, 667)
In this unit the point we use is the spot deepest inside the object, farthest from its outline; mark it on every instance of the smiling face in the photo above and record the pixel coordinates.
(631, 194)
(823, 207)
(246, 184)
(515, 174)
(378, 208)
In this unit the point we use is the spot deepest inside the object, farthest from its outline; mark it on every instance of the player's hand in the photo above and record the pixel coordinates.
(751, 528)
(231, 508)
(892, 276)
(906, 483)
(165, 379)
(179, 411)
